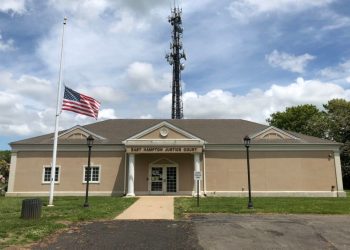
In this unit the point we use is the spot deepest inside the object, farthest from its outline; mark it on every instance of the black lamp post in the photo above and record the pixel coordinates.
(89, 141)
(247, 144)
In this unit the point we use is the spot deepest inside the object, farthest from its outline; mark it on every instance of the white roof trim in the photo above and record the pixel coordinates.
(83, 129)
(276, 129)
(164, 124)
(163, 158)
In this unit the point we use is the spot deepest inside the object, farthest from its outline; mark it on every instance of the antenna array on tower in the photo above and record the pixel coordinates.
(174, 58)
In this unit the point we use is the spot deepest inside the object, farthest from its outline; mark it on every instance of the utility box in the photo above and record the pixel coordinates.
(31, 209)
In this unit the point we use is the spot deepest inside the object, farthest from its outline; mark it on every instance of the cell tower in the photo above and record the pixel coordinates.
(174, 59)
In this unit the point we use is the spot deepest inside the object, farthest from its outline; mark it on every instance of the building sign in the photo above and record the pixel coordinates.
(197, 175)
(164, 150)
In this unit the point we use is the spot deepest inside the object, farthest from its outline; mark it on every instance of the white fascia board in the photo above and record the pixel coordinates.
(67, 147)
(278, 130)
(159, 125)
(272, 147)
(164, 142)
(83, 129)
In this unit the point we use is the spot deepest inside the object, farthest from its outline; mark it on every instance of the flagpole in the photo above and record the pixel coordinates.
(58, 111)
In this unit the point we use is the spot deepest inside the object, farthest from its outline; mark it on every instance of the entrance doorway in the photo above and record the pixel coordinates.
(163, 179)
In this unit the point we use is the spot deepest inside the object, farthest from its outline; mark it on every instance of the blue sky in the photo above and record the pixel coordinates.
(245, 58)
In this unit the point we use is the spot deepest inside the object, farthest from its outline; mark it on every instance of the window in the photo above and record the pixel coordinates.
(47, 174)
(94, 174)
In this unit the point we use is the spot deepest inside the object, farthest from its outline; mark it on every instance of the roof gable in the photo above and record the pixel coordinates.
(273, 133)
(78, 132)
(163, 130)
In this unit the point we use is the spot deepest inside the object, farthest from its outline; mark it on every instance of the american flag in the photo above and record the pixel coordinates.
(79, 103)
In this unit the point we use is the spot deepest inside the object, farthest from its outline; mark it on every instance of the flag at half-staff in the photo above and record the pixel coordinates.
(79, 103)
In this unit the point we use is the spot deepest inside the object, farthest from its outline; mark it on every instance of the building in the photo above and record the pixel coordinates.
(155, 157)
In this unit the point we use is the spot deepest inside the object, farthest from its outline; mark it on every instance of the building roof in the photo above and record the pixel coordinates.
(212, 131)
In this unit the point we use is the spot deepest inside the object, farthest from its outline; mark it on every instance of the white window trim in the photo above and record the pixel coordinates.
(43, 174)
(99, 173)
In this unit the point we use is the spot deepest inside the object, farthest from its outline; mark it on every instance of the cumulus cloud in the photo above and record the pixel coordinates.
(28, 107)
(256, 105)
(96, 52)
(142, 77)
(245, 9)
(14, 6)
(289, 62)
(107, 114)
(6, 45)
(104, 94)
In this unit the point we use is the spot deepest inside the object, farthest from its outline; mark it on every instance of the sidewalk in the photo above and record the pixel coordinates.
(150, 208)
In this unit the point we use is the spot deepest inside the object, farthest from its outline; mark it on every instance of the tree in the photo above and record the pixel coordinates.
(333, 123)
(298, 119)
(338, 111)
(5, 157)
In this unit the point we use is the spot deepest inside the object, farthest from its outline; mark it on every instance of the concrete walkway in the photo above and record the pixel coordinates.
(150, 208)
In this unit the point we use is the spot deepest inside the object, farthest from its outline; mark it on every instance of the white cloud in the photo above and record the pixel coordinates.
(34, 87)
(289, 62)
(148, 116)
(31, 89)
(107, 114)
(81, 9)
(339, 73)
(128, 23)
(28, 106)
(335, 20)
(6, 45)
(245, 9)
(104, 94)
(141, 76)
(97, 52)
(256, 105)
(14, 6)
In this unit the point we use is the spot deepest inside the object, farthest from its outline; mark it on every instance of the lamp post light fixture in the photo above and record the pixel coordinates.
(89, 142)
(247, 144)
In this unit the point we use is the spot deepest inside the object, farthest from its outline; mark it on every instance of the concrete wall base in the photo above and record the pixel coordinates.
(60, 193)
(277, 193)
(192, 193)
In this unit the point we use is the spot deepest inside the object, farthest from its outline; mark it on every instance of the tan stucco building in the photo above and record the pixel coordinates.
(159, 157)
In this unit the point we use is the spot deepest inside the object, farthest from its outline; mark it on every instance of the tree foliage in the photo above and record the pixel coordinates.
(297, 119)
(332, 123)
(5, 157)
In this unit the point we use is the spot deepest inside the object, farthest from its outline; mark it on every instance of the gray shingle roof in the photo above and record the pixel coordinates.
(213, 131)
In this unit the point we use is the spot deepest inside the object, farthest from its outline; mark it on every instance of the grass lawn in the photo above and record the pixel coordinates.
(285, 205)
(16, 231)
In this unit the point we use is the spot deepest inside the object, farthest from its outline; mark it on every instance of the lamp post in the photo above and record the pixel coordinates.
(247, 144)
(89, 142)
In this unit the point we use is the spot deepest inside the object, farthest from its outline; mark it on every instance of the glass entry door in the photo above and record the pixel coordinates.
(163, 179)
(157, 179)
(171, 179)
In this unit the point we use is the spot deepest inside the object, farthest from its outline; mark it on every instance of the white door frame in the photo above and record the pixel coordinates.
(164, 185)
